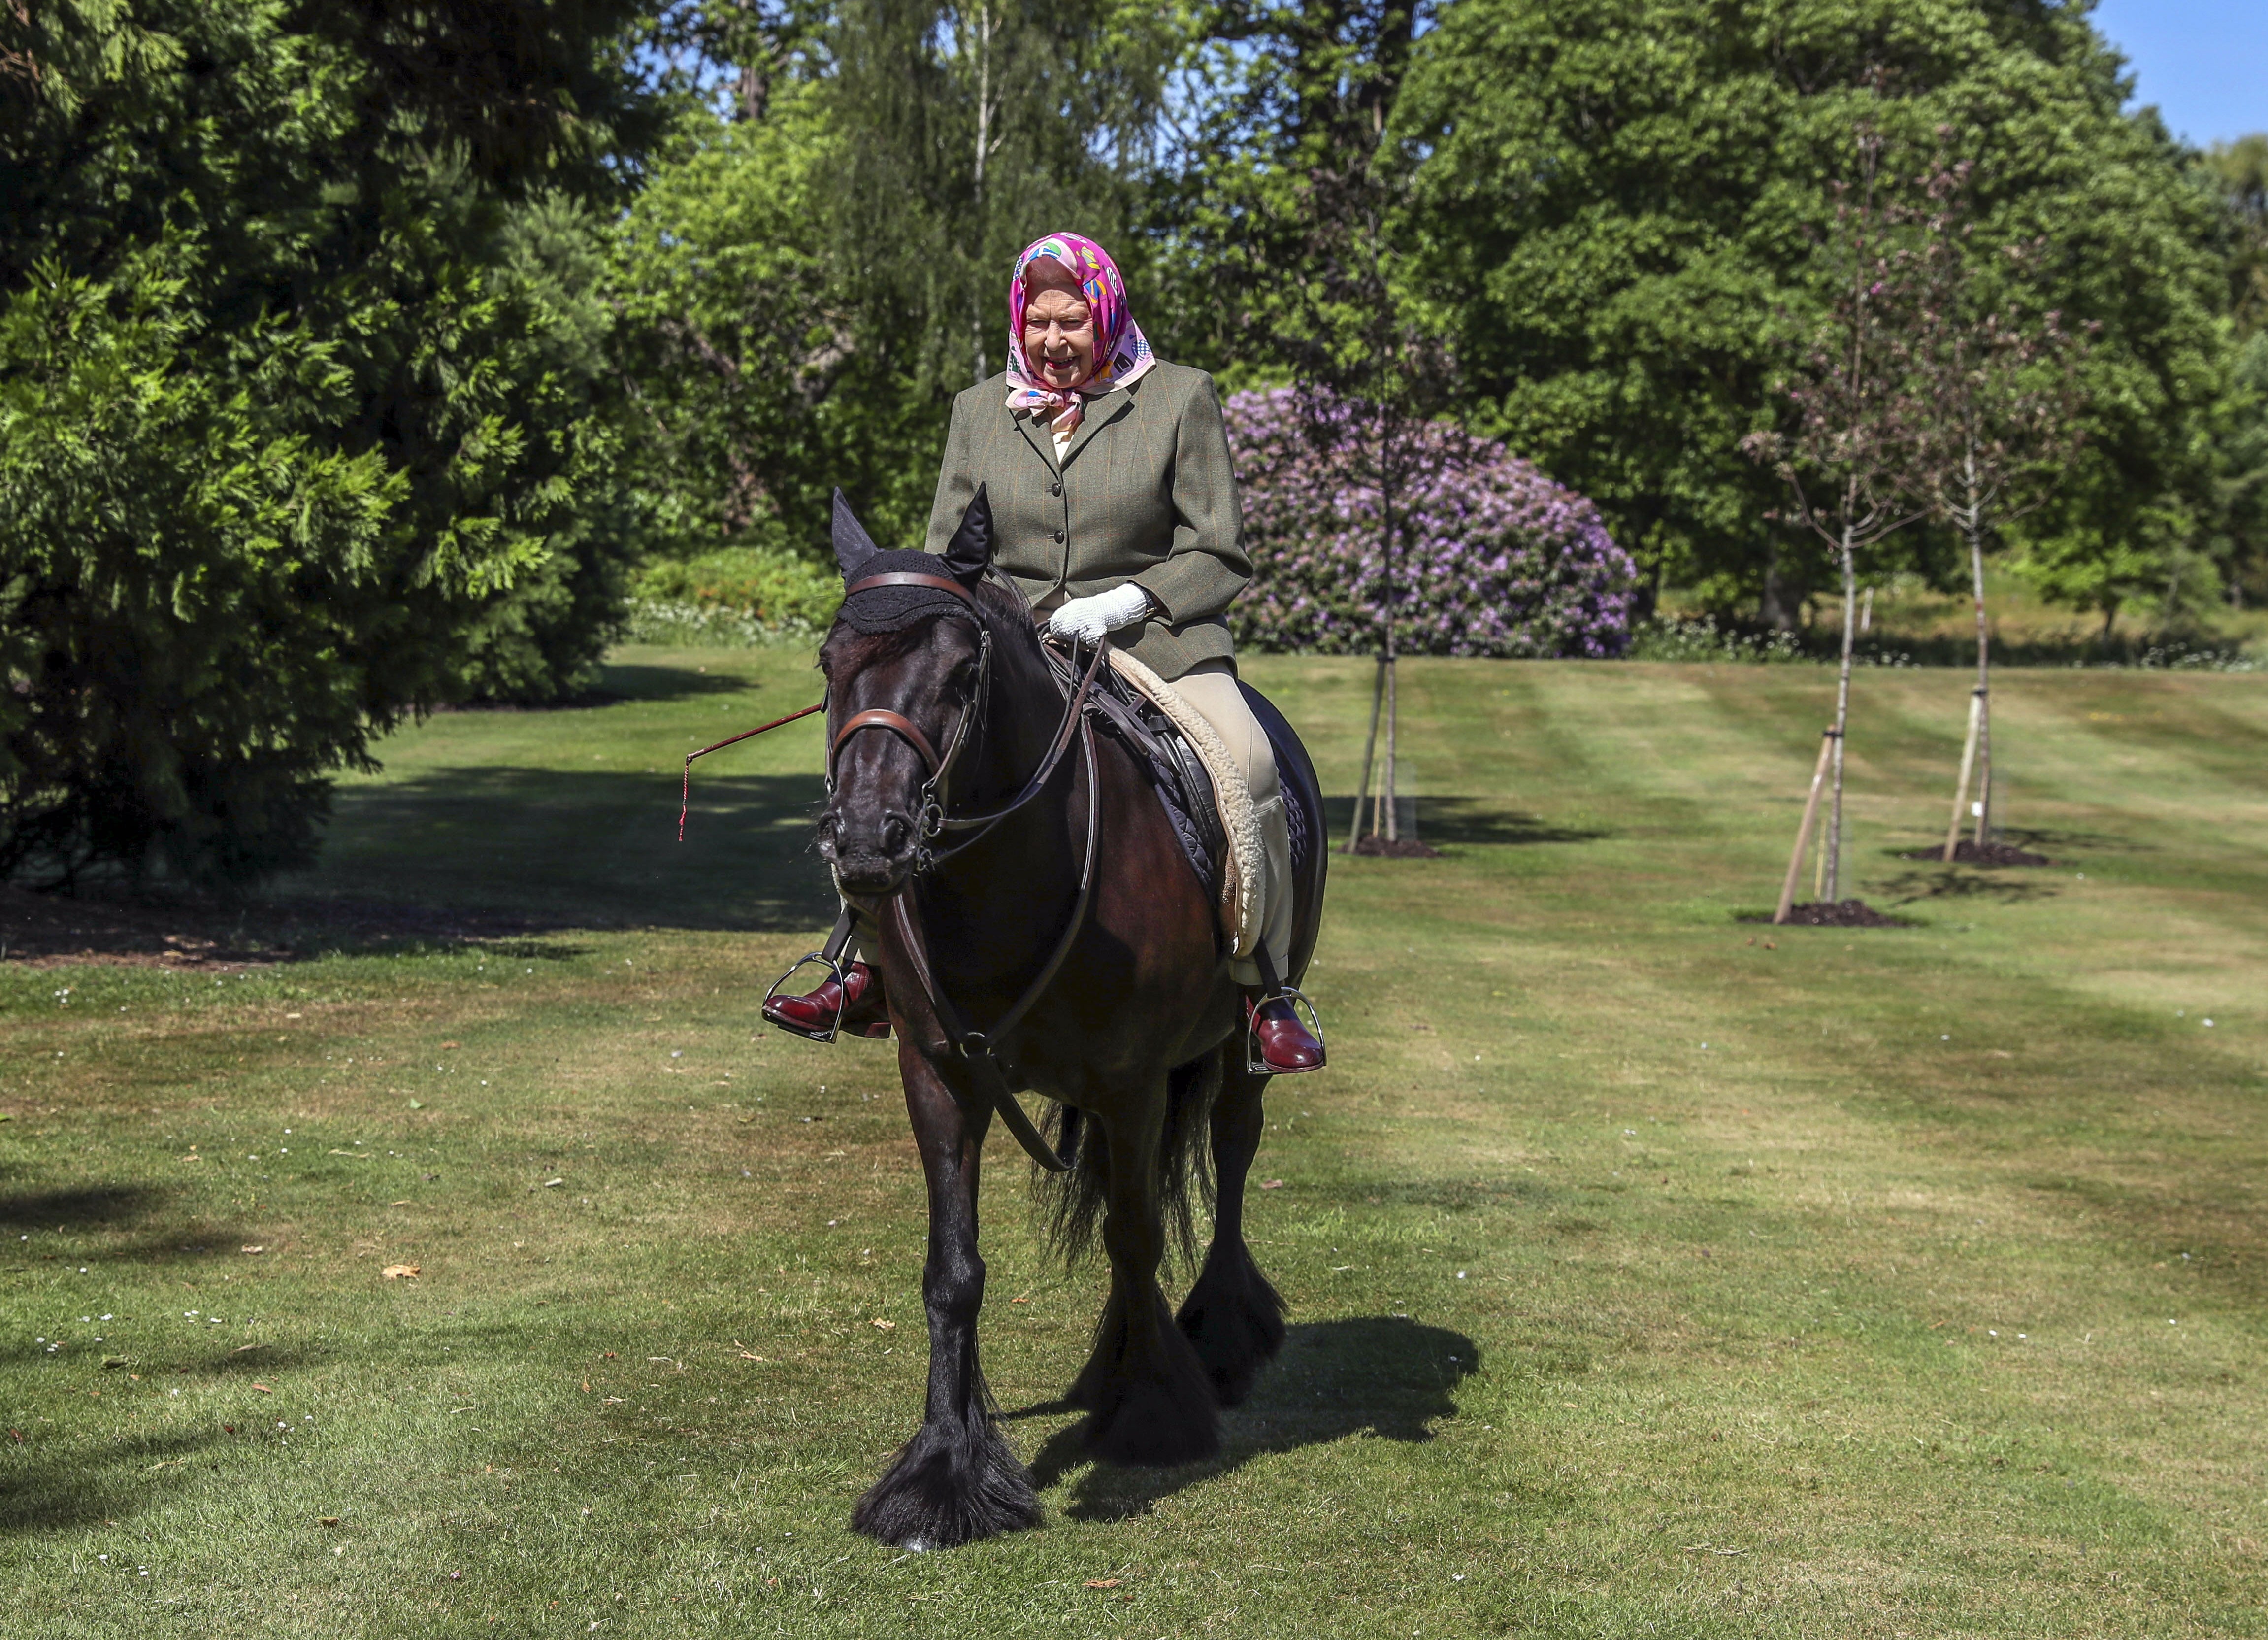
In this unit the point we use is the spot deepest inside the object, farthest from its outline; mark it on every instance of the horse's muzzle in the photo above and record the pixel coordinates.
(872, 858)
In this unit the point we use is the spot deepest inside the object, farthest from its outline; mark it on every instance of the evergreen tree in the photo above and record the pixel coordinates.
(298, 430)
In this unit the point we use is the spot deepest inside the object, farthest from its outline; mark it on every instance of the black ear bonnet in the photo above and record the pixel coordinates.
(889, 608)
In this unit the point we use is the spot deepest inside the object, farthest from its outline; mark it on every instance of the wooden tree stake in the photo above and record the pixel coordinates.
(1803, 831)
(1369, 749)
(1967, 767)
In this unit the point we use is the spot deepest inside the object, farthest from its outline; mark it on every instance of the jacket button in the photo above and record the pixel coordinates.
(1055, 488)
(1060, 536)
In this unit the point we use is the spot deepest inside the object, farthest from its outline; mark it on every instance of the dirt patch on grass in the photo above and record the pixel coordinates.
(185, 931)
(1400, 848)
(1836, 914)
(1968, 852)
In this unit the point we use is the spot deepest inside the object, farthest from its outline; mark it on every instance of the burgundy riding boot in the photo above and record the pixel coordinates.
(862, 1012)
(1286, 1045)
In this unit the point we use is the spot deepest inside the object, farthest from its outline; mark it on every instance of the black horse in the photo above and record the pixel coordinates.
(1037, 926)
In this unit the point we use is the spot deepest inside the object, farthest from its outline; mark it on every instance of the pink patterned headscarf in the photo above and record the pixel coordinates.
(1118, 341)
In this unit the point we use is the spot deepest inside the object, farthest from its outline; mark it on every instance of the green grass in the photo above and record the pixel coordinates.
(1650, 1273)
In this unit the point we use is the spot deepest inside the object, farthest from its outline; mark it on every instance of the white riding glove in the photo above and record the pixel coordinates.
(1083, 620)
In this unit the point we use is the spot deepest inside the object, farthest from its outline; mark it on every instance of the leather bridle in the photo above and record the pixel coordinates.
(977, 1047)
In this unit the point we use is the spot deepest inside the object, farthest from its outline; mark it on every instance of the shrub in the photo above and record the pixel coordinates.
(1498, 559)
(772, 589)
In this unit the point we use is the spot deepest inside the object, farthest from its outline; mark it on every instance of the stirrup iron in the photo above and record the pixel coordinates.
(842, 988)
(1272, 989)
(829, 955)
(1254, 1065)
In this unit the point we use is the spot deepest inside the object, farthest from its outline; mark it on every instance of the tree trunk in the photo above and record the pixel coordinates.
(1774, 607)
(1842, 709)
(984, 144)
(1369, 752)
(1975, 520)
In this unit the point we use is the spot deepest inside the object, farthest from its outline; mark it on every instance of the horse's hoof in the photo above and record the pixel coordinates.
(1234, 1319)
(1162, 1420)
(948, 1487)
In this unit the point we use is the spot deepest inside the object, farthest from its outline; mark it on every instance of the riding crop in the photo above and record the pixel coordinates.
(686, 801)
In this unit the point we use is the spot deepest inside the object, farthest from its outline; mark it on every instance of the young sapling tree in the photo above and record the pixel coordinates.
(1996, 399)
(1848, 398)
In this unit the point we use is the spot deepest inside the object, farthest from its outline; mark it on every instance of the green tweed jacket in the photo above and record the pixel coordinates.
(1146, 493)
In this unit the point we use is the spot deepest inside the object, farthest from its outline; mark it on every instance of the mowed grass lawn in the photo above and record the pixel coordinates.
(1651, 1271)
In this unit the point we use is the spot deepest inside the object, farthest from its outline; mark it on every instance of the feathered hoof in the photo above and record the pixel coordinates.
(949, 1486)
(1160, 1421)
(1234, 1320)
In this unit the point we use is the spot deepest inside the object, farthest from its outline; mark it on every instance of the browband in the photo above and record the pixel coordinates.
(907, 578)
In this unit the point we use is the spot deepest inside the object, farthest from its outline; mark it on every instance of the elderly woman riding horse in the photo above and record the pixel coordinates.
(1114, 503)
(1015, 878)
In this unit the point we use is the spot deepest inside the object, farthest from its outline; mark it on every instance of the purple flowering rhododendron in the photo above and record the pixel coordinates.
(1494, 558)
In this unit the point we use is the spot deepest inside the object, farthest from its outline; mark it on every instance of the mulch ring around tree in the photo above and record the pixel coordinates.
(1400, 848)
(1836, 914)
(1968, 852)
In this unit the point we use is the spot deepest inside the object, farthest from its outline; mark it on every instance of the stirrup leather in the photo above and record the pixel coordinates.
(1254, 1063)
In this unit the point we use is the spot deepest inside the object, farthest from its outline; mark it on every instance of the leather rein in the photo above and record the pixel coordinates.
(978, 1048)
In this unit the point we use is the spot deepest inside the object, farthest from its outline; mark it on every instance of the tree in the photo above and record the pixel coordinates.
(1294, 197)
(1997, 402)
(2239, 546)
(2240, 172)
(1843, 461)
(1614, 203)
(282, 419)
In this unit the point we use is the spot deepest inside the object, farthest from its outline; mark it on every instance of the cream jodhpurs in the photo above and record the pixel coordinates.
(1211, 688)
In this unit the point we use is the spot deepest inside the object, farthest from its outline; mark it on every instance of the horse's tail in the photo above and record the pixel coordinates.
(1070, 1205)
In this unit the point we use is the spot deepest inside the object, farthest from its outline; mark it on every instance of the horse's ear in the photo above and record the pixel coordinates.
(970, 553)
(852, 545)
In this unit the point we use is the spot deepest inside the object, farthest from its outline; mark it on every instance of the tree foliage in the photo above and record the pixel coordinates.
(1620, 194)
(303, 424)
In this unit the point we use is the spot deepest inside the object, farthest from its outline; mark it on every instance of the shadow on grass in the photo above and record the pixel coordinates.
(1383, 1375)
(1457, 820)
(81, 1207)
(2057, 840)
(671, 682)
(59, 1481)
(564, 848)
(616, 685)
(134, 1209)
(1950, 883)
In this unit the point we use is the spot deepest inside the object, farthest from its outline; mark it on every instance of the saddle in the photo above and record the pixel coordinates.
(1163, 753)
